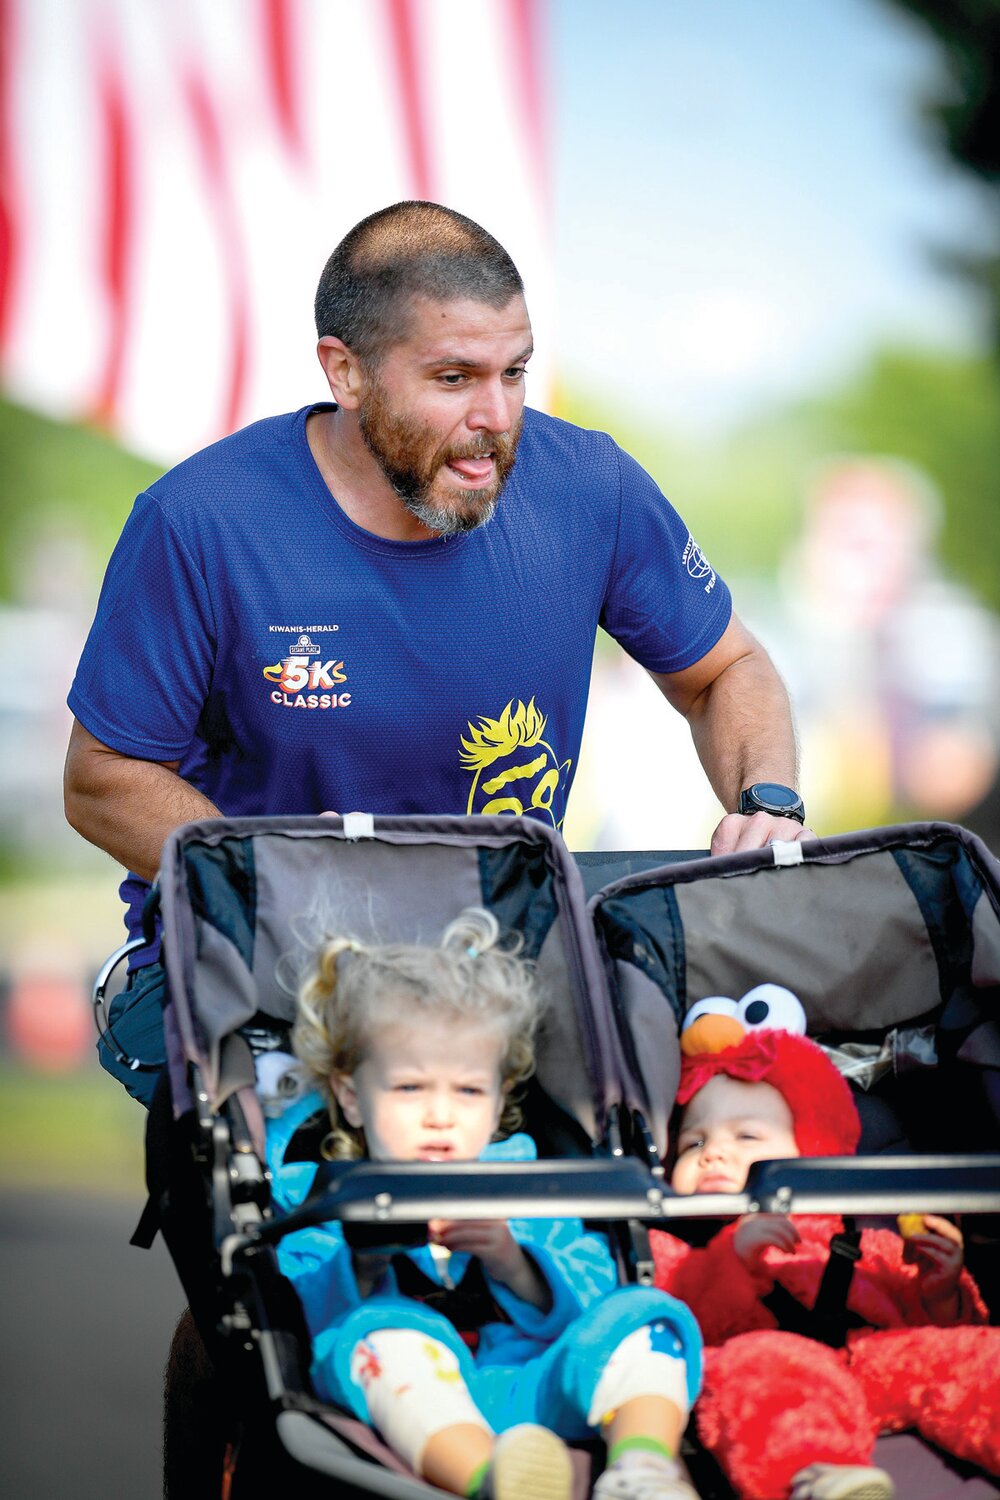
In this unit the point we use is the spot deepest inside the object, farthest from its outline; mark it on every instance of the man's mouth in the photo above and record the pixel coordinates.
(477, 471)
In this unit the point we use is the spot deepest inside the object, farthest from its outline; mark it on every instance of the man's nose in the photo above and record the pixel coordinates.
(491, 411)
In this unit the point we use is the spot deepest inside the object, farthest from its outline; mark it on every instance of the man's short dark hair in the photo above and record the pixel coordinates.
(409, 250)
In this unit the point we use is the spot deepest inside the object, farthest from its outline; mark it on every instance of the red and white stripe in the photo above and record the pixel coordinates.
(173, 175)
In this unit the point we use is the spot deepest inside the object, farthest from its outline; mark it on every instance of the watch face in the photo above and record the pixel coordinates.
(775, 795)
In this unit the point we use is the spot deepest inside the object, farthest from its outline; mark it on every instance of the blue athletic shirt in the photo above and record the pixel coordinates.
(294, 663)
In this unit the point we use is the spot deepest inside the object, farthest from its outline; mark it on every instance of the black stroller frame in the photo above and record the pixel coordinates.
(913, 952)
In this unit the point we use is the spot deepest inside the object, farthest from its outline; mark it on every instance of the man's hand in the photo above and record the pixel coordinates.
(491, 1242)
(757, 1233)
(754, 831)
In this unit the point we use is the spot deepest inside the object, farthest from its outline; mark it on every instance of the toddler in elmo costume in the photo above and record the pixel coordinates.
(787, 1417)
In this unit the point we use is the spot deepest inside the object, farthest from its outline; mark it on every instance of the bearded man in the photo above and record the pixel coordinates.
(390, 601)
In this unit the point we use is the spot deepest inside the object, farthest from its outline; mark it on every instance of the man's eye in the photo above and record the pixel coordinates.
(516, 372)
(452, 377)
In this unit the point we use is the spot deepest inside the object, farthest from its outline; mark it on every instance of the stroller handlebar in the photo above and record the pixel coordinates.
(379, 1202)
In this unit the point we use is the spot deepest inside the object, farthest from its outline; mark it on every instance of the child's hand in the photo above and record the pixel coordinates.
(756, 1233)
(938, 1254)
(491, 1242)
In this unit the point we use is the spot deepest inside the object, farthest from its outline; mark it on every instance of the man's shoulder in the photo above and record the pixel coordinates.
(212, 471)
(557, 458)
(547, 436)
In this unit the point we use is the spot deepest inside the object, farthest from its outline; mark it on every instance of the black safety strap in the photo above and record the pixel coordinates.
(829, 1318)
(469, 1306)
(159, 1123)
(148, 1227)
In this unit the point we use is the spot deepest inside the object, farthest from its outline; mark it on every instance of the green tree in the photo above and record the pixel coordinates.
(963, 111)
(56, 477)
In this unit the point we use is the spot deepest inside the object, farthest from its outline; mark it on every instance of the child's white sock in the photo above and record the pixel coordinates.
(414, 1389)
(646, 1363)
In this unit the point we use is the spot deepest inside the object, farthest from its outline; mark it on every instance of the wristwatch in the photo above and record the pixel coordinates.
(771, 797)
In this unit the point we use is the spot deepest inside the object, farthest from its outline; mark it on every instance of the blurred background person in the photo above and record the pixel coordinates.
(895, 668)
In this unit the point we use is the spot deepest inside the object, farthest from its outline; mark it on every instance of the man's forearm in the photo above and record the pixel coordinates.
(742, 729)
(127, 807)
(741, 721)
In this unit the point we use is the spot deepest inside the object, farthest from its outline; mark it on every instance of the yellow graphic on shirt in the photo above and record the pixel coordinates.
(508, 777)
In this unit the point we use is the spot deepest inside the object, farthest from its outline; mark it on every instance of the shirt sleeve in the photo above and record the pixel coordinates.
(146, 668)
(577, 1267)
(319, 1264)
(664, 603)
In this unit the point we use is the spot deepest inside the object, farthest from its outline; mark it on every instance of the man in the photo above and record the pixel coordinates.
(390, 602)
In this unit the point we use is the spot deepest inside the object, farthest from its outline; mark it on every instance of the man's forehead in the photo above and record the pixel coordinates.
(440, 329)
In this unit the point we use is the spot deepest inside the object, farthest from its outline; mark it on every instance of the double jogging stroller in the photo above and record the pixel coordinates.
(891, 939)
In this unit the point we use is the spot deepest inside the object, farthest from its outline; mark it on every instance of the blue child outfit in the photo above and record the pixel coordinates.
(530, 1365)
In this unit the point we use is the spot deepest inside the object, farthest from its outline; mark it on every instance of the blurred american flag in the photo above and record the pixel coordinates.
(174, 173)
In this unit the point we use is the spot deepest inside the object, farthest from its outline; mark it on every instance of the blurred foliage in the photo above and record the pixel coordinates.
(965, 107)
(74, 1131)
(943, 414)
(744, 497)
(964, 111)
(56, 477)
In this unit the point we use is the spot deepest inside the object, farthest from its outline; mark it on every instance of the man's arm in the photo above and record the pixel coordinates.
(741, 724)
(125, 806)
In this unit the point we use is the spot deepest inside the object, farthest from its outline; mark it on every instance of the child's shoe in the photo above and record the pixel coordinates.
(841, 1482)
(645, 1478)
(529, 1463)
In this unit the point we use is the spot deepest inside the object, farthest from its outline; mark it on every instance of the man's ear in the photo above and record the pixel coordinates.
(346, 1096)
(342, 370)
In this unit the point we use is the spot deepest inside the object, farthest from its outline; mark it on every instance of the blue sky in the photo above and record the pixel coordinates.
(747, 201)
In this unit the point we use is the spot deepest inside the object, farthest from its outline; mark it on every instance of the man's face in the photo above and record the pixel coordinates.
(442, 411)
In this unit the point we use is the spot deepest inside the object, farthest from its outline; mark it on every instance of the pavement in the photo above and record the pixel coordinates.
(85, 1326)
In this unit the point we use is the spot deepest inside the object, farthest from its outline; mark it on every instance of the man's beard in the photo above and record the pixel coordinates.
(410, 458)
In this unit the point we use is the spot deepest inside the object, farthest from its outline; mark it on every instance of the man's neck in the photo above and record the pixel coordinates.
(356, 481)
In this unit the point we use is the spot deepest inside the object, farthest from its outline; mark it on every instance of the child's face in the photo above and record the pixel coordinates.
(429, 1092)
(725, 1128)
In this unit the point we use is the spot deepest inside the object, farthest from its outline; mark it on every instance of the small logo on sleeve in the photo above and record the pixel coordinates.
(697, 564)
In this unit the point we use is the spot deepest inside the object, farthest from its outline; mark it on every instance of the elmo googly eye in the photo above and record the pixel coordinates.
(710, 1026)
(715, 1005)
(771, 1007)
